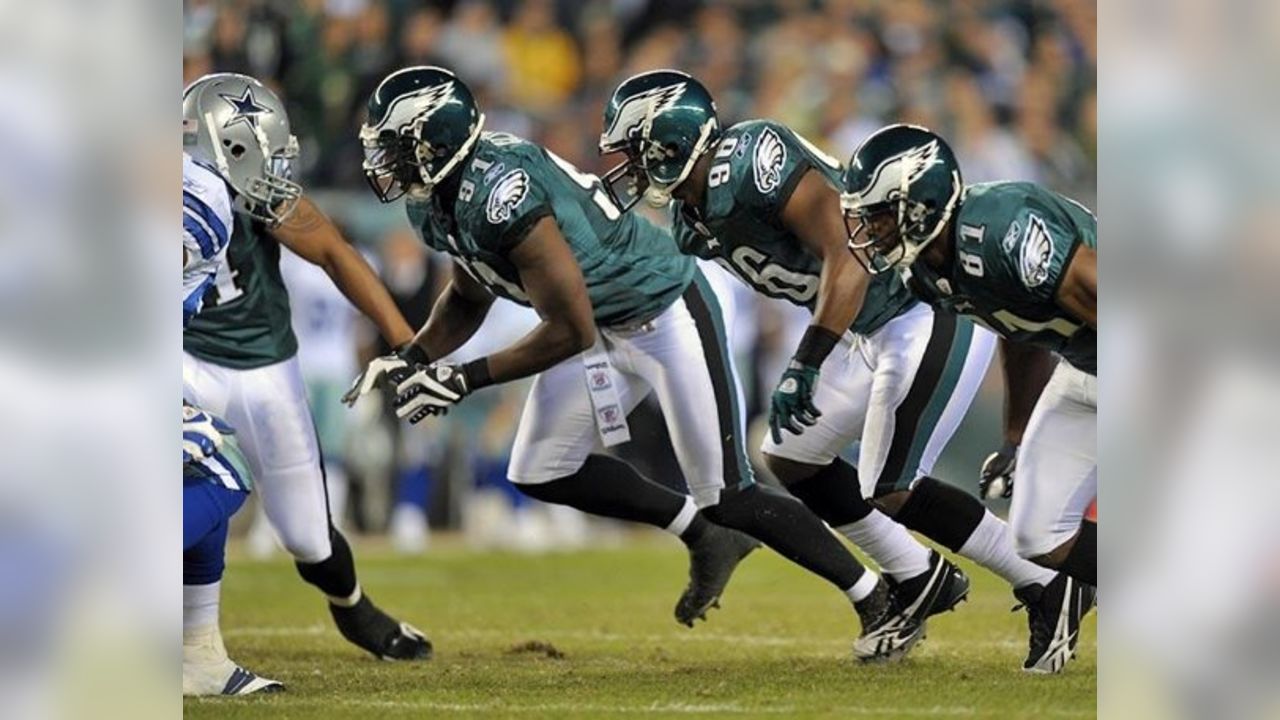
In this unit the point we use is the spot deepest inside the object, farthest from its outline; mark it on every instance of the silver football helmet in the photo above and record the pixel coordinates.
(240, 127)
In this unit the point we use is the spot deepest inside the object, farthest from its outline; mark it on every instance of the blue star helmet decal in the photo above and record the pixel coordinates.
(247, 109)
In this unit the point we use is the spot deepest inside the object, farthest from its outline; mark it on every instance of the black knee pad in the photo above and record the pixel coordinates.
(833, 494)
(1082, 562)
(945, 514)
(738, 506)
(610, 487)
(335, 575)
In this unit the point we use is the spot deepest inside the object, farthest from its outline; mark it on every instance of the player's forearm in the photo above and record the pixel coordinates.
(454, 320)
(1026, 371)
(548, 344)
(841, 290)
(840, 293)
(358, 282)
(1078, 293)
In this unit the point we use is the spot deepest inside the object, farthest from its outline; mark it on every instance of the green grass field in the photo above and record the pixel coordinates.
(780, 646)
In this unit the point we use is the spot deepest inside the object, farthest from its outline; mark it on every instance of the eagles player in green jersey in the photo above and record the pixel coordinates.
(1021, 260)
(761, 200)
(240, 354)
(623, 315)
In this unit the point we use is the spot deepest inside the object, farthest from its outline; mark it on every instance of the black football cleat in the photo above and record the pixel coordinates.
(889, 632)
(942, 587)
(367, 627)
(1054, 612)
(711, 563)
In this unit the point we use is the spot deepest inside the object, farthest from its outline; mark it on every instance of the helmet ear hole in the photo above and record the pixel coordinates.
(236, 149)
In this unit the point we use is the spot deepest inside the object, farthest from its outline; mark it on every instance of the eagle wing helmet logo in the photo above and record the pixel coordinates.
(506, 196)
(417, 106)
(770, 156)
(639, 108)
(895, 174)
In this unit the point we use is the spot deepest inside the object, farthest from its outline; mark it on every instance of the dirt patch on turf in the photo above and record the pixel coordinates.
(536, 647)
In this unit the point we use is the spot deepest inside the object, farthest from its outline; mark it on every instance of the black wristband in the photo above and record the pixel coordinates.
(412, 352)
(816, 344)
(477, 374)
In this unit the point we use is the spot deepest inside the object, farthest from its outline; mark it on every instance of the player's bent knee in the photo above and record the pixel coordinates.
(890, 503)
(789, 471)
(1034, 546)
(307, 547)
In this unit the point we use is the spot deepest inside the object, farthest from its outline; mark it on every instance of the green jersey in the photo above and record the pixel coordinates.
(1013, 243)
(756, 167)
(632, 269)
(245, 320)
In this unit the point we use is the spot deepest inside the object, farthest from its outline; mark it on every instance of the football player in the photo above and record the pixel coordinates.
(623, 314)
(214, 483)
(240, 353)
(1022, 260)
(875, 365)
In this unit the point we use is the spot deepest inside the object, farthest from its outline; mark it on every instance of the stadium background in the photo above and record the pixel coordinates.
(1010, 84)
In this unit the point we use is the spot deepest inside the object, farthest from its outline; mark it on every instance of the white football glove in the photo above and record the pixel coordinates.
(430, 390)
(202, 433)
(387, 368)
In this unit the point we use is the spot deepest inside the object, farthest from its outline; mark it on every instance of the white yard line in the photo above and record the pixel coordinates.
(601, 636)
(656, 708)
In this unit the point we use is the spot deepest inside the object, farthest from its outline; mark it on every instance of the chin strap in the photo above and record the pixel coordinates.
(659, 196)
(430, 181)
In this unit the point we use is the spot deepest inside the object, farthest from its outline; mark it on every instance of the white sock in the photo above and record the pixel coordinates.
(889, 544)
(200, 606)
(863, 587)
(991, 546)
(683, 518)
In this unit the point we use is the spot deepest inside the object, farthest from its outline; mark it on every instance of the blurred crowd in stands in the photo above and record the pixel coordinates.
(1011, 84)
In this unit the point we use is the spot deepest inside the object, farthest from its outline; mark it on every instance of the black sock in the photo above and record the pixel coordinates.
(833, 494)
(336, 574)
(612, 488)
(1082, 562)
(786, 525)
(943, 513)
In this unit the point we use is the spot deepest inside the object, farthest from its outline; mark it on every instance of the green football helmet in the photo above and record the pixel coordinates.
(898, 193)
(663, 121)
(241, 128)
(423, 122)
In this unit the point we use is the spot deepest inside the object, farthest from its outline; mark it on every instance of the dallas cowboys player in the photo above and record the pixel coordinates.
(214, 483)
(526, 225)
(240, 353)
(1021, 260)
(761, 200)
